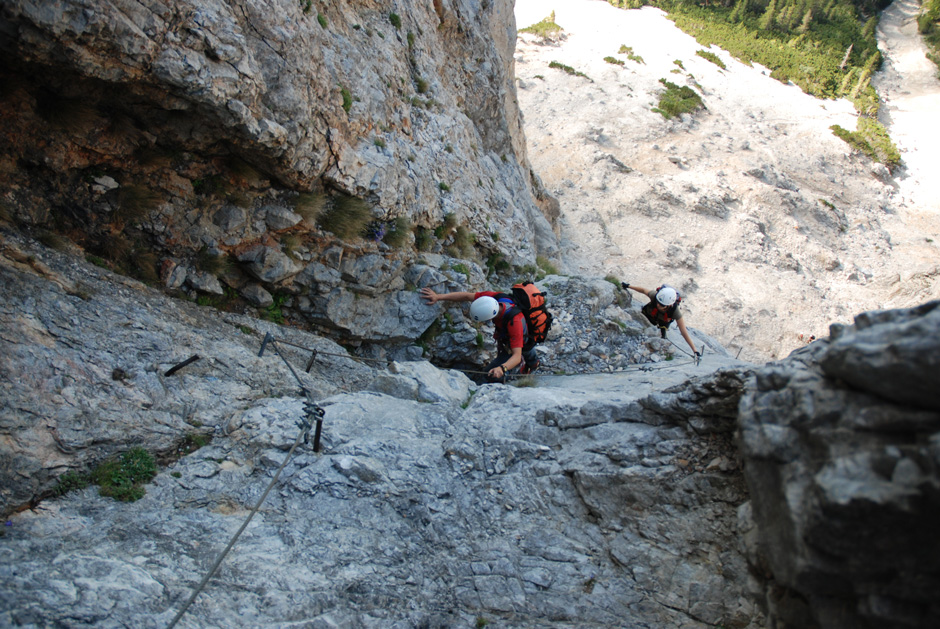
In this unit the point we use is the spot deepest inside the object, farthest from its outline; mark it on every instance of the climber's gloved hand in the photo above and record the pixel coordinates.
(698, 357)
(625, 285)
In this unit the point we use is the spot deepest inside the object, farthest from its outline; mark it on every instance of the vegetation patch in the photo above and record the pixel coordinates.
(546, 29)
(710, 56)
(310, 205)
(424, 238)
(209, 262)
(275, 313)
(192, 442)
(676, 100)
(569, 70)
(136, 202)
(821, 48)
(347, 98)
(871, 138)
(346, 217)
(398, 232)
(614, 61)
(628, 50)
(929, 26)
(124, 476)
(546, 266)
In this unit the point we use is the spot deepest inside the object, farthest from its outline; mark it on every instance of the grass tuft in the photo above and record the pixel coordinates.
(310, 205)
(398, 234)
(136, 202)
(346, 217)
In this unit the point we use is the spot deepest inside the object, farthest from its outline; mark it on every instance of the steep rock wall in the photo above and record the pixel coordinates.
(841, 444)
(149, 131)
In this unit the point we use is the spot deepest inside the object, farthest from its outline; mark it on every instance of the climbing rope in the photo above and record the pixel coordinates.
(312, 410)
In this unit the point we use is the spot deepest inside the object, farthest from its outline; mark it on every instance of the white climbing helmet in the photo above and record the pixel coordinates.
(666, 295)
(484, 309)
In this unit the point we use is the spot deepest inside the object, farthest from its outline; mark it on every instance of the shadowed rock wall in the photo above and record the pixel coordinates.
(841, 444)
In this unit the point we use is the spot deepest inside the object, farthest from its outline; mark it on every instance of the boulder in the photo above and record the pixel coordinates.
(268, 264)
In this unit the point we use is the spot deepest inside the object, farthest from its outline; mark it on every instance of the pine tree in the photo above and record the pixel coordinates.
(740, 12)
(767, 19)
(807, 21)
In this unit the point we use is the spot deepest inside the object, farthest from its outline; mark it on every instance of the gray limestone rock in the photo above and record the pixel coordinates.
(268, 264)
(839, 446)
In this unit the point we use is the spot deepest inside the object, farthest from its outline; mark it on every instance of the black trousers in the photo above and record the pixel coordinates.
(529, 357)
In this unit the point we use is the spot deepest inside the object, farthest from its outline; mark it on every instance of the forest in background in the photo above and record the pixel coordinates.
(929, 25)
(826, 47)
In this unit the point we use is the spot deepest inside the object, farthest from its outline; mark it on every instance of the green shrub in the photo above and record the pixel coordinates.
(321, 19)
(397, 234)
(464, 241)
(421, 85)
(192, 442)
(462, 268)
(871, 138)
(546, 29)
(443, 187)
(347, 99)
(807, 47)
(496, 263)
(122, 477)
(447, 227)
(628, 50)
(274, 313)
(71, 481)
(346, 217)
(53, 240)
(424, 239)
(568, 70)
(395, 20)
(614, 61)
(677, 100)
(710, 56)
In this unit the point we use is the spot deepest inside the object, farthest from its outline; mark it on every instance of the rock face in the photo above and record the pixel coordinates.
(192, 135)
(841, 444)
(597, 500)
(381, 102)
(600, 499)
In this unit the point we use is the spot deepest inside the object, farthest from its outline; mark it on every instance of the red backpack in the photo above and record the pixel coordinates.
(531, 302)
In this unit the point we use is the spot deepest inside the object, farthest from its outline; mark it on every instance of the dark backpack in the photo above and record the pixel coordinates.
(531, 303)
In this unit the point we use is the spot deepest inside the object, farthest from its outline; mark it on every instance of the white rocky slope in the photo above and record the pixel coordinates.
(765, 221)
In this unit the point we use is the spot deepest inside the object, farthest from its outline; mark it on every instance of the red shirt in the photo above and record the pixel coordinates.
(515, 328)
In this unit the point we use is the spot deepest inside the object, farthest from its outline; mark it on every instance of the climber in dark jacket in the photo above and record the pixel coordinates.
(663, 309)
